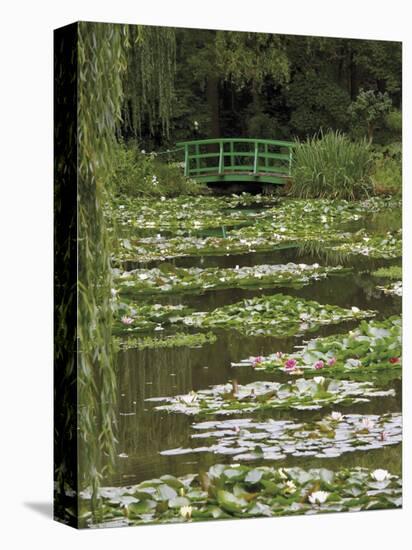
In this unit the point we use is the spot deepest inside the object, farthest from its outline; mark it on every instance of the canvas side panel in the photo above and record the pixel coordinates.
(65, 274)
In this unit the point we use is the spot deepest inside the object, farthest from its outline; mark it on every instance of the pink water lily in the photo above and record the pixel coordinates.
(126, 320)
(290, 364)
(279, 354)
(257, 360)
(319, 364)
(331, 361)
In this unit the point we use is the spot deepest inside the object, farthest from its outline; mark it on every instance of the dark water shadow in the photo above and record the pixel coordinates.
(45, 509)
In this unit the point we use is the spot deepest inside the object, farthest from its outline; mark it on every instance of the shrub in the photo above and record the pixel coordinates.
(371, 109)
(135, 173)
(387, 176)
(387, 168)
(331, 166)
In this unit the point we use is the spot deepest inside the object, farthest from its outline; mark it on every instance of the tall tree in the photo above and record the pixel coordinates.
(149, 82)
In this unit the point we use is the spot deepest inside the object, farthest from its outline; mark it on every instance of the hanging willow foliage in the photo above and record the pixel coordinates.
(149, 82)
(101, 64)
(248, 57)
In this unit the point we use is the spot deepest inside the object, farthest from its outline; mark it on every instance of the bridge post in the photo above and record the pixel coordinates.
(197, 158)
(221, 158)
(256, 162)
(186, 160)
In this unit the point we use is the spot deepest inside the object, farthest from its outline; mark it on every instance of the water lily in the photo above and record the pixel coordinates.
(331, 361)
(394, 360)
(186, 512)
(367, 423)
(290, 487)
(257, 360)
(189, 398)
(380, 475)
(318, 497)
(282, 473)
(290, 364)
(319, 364)
(126, 320)
(279, 354)
(355, 309)
(336, 416)
(319, 380)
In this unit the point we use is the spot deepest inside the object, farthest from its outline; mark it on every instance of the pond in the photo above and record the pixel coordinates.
(168, 423)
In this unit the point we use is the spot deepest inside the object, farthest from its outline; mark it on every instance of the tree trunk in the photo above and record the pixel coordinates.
(212, 98)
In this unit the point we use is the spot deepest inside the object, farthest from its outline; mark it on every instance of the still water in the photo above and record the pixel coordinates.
(144, 433)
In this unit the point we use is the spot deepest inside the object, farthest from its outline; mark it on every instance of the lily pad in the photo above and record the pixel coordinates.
(302, 394)
(277, 315)
(373, 348)
(333, 435)
(274, 492)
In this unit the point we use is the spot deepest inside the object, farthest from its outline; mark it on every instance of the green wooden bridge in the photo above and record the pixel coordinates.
(238, 160)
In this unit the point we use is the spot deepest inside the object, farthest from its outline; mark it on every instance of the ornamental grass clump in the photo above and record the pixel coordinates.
(330, 165)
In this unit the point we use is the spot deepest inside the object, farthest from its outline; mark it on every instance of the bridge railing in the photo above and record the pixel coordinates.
(242, 156)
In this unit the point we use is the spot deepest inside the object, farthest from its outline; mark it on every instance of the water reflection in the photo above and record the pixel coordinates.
(143, 432)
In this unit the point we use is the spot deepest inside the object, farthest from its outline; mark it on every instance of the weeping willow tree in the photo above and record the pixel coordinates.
(102, 68)
(101, 64)
(149, 82)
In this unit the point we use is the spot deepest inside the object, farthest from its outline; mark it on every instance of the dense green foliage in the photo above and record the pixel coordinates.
(370, 109)
(392, 272)
(137, 174)
(331, 166)
(101, 63)
(242, 83)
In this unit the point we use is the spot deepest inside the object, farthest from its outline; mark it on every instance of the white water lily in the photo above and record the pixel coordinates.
(282, 474)
(189, 398)
(319, 380)
(315, 266)
(380, 475)
(355, 309)
(318, 497)
(290, 486)
(367, 423)
(337, 416)
(186, 512)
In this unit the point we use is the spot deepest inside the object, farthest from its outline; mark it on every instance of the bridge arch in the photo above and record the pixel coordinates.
(237, 160)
